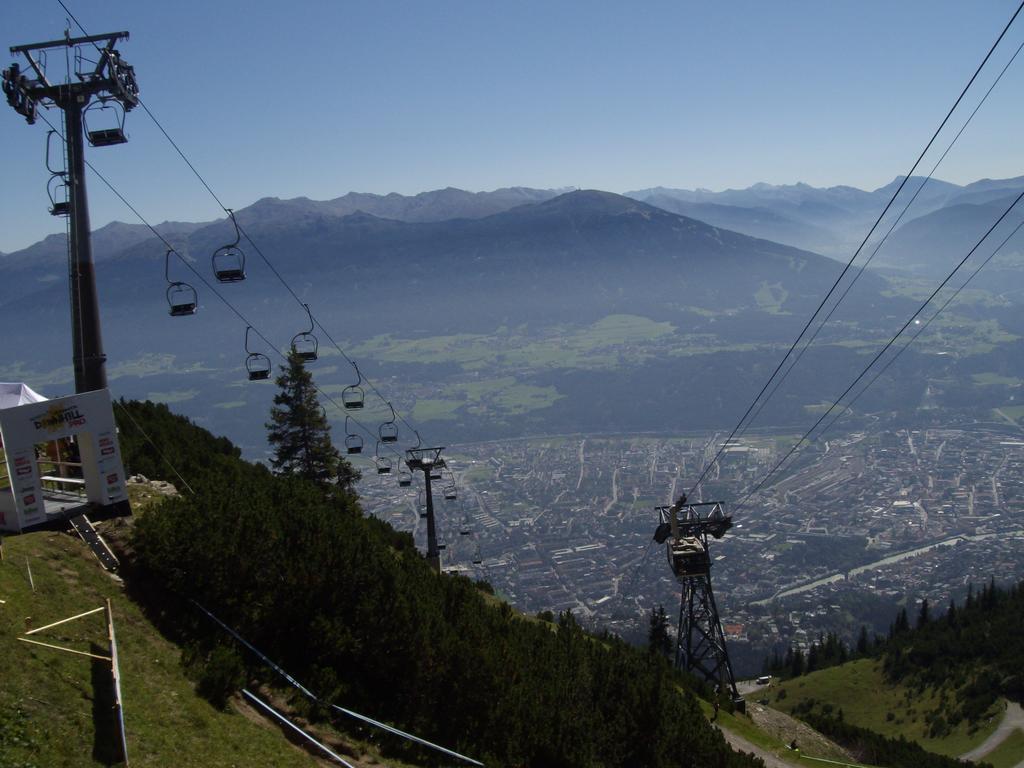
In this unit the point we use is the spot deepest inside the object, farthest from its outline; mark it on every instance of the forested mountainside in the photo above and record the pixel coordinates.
(349, 607)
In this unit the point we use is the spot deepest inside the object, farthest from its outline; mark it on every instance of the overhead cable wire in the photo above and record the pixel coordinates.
(156, 448)
(256, 247)
(880, 353)
(922, 329)
(317, 700)
(294, 728)
(867, 237)
(366, 430)
(879, 245)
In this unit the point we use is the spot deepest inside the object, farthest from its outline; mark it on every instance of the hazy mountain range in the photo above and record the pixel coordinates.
(558, 302)
(832, 220)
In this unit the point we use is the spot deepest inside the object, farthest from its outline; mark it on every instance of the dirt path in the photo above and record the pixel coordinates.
(1012, 720)
(741, 744)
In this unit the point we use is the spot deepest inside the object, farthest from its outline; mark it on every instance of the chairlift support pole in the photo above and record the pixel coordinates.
(24, 94)
(426, 460)
(90, 362)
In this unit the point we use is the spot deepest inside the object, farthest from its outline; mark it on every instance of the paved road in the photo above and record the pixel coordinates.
(1012, 720)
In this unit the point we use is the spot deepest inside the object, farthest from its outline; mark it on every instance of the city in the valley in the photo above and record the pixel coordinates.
(856, 525)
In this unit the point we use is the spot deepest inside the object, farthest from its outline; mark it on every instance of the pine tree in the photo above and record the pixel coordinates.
(862, 641)
(925, 615)
(299, 433)
(902, 622)
(659, 642)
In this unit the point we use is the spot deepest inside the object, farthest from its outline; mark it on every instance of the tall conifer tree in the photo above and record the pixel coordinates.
(299, 433)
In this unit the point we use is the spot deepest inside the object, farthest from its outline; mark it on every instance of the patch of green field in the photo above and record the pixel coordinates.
(433, 409)
(1009, 753)
(817, 409)
(521, 398)
(860, 690)
(771, 297)
(622, 329)
(463, 348)
(480, 472)
(18, 372)
(152, 364)
(989, 379)
(230, 404)
(593, 346)
(174, 396)
(1013, 412)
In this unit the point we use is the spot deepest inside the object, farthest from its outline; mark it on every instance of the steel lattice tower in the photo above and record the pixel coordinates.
(700, 641)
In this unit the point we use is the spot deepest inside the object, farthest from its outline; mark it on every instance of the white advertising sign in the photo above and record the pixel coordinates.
(89, 417)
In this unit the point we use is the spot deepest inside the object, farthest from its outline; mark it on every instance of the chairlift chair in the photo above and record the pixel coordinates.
(229, 260)
(59, 193)
(305, 344)
(388, 431)
(451, 493)
(57, 187)
(182, 299)
(257, 364)
(352, 396)
(383, 462)
(353, 442)
(404, 478)
(108, 111)
(477, 557)
(435, 473)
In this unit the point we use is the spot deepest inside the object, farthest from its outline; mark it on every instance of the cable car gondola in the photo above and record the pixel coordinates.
(257, 364)
(388, 431)
(108, 110)
(229, 260)
(305, 344)
(181, 297)
(352, 396)
(383, 462)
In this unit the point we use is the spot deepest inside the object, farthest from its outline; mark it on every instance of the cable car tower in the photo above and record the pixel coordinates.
(429, 462)
(112, 84)
(700, 641)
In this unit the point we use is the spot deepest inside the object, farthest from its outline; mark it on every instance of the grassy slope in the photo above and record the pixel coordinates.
(1008, 754)
(860, 690)
(167, 723)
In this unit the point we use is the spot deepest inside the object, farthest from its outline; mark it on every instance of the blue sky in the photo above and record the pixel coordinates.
(318, 98)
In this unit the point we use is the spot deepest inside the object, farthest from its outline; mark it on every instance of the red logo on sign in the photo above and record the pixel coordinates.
(111, 478)
(30, 499)
(107, 451)
(24, 470)
(104, 441)
(21, 461)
